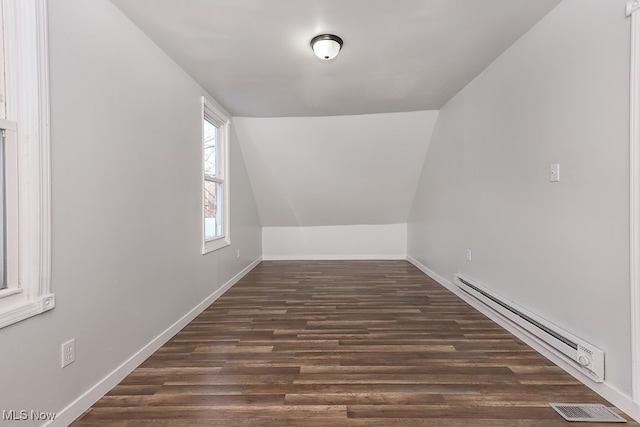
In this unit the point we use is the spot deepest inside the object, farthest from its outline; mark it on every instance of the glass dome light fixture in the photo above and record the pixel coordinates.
(326, 46)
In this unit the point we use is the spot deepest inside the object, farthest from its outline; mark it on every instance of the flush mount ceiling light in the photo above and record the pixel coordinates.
(326, 46)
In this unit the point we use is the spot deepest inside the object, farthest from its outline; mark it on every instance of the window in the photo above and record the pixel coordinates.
(215, 171)
(25, 287)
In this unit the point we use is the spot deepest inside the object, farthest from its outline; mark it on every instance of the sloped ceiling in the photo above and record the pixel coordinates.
(340, 142)
(311, 171)
(254, 57)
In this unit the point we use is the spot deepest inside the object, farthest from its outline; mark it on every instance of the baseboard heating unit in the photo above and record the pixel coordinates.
(586, 357)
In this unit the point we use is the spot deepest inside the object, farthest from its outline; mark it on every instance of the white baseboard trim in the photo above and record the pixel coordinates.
(332, 257)
(613, 395)
(91, 396)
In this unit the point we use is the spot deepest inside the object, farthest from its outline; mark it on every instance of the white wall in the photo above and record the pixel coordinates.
(558, 95)
(387, 241)
(126, 196)
(326, 171)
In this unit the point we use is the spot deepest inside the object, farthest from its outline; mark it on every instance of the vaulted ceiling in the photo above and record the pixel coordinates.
(402, 60)
(254, 57)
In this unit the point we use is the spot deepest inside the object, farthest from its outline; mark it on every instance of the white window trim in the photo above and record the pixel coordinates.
(221, 120)
(27, 106)
(633, 10)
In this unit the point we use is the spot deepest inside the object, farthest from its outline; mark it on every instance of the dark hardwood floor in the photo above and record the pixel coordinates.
(341, 343)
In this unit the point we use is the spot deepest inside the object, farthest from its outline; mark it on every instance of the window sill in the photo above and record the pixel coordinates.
(8, 292)
(21, 308)
(215, 244)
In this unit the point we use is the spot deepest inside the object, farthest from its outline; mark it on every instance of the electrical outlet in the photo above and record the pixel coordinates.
(68, 352)
(468, 254)
(238, 254)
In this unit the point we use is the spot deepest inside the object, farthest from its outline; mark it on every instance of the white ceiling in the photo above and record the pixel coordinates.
(402, 58)
(253, 56)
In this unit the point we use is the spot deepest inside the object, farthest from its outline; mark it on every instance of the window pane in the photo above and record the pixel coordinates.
(212, 210)
(210, 151)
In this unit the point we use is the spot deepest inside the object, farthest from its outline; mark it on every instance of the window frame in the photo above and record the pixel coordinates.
(215, 116)
(10, 202)
(28, 171)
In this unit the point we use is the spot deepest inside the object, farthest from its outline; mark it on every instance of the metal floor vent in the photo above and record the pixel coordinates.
(587, 412)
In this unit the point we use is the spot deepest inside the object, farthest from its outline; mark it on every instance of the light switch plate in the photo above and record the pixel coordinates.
(554, 172)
